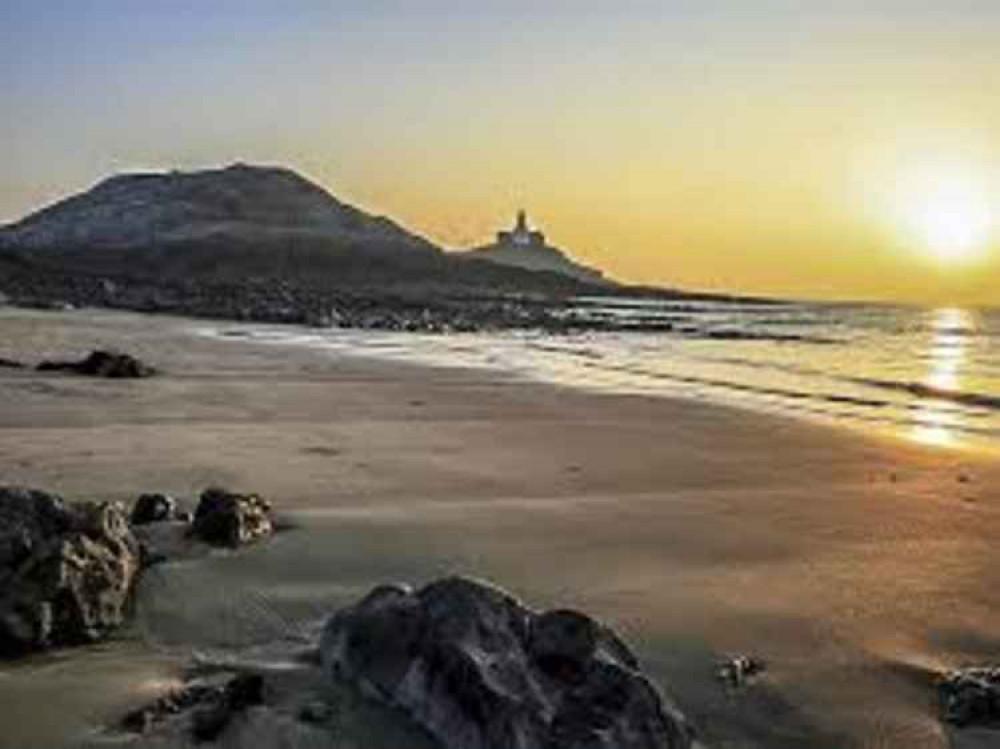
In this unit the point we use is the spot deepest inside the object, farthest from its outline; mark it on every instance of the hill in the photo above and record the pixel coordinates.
(244, 222)
(240, 203)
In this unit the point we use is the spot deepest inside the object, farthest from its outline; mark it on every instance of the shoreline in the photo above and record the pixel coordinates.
(855, 566)
(968, 443)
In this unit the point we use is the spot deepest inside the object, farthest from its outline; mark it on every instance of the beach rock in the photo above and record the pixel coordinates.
(211, 706)
(66, 571)
(478, 670)
(739, 671)
(225, 518)
(142, 720)
(153, 508)
(971, 696)
(10, 364)
(99, 363)
(242, 691)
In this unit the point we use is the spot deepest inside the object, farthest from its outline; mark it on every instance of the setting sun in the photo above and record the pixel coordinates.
(957, 231)
(949, 219)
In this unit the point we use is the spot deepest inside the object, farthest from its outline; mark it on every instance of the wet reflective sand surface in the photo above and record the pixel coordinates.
(929, 375)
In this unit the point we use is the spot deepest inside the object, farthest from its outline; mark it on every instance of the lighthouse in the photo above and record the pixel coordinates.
(521, 235)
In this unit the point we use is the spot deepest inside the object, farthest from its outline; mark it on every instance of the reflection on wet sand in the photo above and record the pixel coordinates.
(938, 421)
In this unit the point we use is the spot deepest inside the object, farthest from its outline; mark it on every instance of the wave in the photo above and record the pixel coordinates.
(930, 392)
(743, 387)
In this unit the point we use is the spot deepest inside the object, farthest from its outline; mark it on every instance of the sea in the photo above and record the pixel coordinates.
(929, 375)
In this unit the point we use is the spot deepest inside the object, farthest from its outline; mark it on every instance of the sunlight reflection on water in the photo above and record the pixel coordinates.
(936, 422)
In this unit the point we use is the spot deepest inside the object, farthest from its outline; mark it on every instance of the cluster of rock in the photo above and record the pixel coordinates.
(463, 662)
(270, 300)
(111, 364)
(67, 571)
(212, 704)
(222, 518)
(298, 301)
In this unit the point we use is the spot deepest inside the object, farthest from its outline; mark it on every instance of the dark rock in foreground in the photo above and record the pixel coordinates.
(457, 664)
(225, 518)
(66, 571)
(153, 508)
(478, 670)
(212, 705)
(10, 364)
(971, 697)
(110, 364)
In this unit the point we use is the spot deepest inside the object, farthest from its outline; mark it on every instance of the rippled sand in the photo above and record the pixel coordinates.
(855, 567)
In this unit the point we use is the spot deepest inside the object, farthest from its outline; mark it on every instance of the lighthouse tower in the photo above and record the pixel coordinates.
(522, 235)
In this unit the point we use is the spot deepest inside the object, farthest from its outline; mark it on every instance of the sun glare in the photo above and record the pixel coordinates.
(956, 230)
(949, 220)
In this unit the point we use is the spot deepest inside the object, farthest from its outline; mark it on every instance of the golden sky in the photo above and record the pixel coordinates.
(850, 151)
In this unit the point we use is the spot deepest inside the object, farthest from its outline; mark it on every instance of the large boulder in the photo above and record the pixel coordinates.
(225, 518)
(479, 670)
(99, 363)
(66, 571)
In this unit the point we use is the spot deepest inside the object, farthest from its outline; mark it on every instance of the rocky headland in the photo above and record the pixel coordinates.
(264, 244)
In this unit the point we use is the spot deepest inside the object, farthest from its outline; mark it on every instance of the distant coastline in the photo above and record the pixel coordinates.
(264, 244)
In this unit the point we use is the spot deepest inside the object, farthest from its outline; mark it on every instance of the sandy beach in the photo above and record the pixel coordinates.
(856, 566)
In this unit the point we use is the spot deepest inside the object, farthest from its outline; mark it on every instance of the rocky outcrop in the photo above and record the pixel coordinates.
(479, 670)
(66, 571)
(971, 696)
(153, 508)
(110, 364)
(225, 518)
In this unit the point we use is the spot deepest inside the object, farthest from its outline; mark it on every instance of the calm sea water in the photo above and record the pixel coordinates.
(929, 375)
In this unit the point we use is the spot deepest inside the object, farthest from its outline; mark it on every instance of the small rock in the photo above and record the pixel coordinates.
(316, 712)
(225, 518)
(971, 696)
(737, 672)
(244, 690)
(10, 364)
(99, 363)
(140, 721)
(153, 508)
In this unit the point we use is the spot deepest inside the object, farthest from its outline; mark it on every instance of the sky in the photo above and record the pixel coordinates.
(835, 149)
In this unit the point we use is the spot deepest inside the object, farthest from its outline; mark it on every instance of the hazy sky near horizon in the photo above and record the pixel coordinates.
(822, 149)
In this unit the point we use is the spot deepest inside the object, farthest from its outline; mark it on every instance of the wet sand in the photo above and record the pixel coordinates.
(854, 565)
